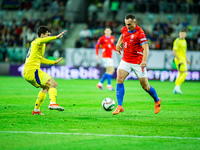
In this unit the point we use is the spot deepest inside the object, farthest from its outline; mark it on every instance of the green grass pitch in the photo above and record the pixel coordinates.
(85, 125)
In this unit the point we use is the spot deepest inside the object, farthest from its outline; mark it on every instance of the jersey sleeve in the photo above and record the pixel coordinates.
(175, 44)
(142, 38)
(97, 46)
(45, 40)
(48, 62)
(122, 30)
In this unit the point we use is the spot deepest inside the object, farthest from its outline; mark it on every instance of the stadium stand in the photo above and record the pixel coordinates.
(161, 21)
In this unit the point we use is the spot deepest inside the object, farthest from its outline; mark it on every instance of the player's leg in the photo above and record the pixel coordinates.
(107, 62)
(100, 84)
(41, 97)
(33, 77)
(152, 92)
(120, 90)
(52, 85)
(141, 73)
(109, 71)
(47, 82)
(122, 72)
(182, 68)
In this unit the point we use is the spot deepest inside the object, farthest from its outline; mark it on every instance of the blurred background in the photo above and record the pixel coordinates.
(85, 21)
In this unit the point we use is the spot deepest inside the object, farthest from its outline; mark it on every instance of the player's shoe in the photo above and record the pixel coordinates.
(118, 110)
(175, 91)
(55, 107)
(109, 87)
(37, 113)
(100, 87)
(157, 106)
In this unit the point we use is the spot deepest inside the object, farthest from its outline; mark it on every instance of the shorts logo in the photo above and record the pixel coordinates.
(142, 70)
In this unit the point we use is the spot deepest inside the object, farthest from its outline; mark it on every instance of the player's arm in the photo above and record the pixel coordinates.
(175, 45)
(187, 60)
(145, 47)
(50, 38)
(45, 39)
(97, 51)
(97, 48)
(113, 45)
(118, 45)
(50, 62)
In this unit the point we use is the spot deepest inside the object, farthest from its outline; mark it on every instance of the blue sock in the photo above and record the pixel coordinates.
(109, 77)
(120, 93)
(153, 94)
(103, 78)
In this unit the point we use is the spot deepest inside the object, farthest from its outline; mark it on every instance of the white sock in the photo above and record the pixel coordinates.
(36, 110)
(100, 84)
(177, 87)
(52, 103)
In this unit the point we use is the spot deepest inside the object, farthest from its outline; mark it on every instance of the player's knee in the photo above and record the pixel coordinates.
(112, 71)
(51, 83)
(185, 74)
(145, 87)
(54, 84)
(120, 79)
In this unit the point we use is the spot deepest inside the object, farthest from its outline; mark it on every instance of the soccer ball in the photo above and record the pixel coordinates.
(108, 104)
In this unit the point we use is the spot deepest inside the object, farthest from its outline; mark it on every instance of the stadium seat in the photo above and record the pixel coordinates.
(11, 54)
(170, 17)
(189, 18)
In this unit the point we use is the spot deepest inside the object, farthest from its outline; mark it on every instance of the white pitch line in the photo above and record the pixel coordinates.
(104, 135)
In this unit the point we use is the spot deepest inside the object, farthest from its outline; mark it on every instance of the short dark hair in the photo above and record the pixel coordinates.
(42, 29)
(182, 30)
(130, 16)
(108, 27)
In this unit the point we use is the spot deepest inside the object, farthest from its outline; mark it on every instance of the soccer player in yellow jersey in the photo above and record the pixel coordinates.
(37, 77)
(179, 51)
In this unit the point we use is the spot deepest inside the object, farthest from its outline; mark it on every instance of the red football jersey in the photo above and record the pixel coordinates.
(132, 45)
(107, 45)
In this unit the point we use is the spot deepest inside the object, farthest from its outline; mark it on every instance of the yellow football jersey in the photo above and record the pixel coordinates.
(180, 45)
(36, 52)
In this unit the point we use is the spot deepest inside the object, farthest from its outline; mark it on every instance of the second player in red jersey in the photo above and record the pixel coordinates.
(107, 43)
(107, 46)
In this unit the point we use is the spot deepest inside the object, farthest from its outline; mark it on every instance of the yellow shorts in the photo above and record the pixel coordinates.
(180, 67)
(37, 78)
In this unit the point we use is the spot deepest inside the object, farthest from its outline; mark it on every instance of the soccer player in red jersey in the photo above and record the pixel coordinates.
(107, 43)
(135, 54)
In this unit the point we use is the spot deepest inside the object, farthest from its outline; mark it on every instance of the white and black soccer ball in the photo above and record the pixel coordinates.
(108, 104)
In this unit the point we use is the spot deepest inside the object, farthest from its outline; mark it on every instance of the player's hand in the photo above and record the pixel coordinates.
(118, 49)
(143, 64)
(61, 34)
(188, 62)
(57, 61)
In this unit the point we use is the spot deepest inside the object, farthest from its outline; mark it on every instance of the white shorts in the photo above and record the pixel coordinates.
(139, 72)
(107, 62)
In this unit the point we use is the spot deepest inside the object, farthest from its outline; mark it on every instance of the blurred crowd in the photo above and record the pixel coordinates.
(101, 13)
(160, 34)
(13, 34)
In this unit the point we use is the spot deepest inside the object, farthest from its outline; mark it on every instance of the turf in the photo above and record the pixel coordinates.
(177, 126)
